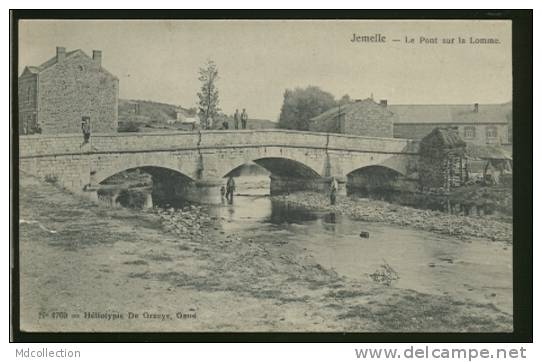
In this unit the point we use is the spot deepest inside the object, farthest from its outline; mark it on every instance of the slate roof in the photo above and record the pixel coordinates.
(333, 113)
(452, 114)
(487, 152)
(52, 61)
(447, 137)
(49, 63)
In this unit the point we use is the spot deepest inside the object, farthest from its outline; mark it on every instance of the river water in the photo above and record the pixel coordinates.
(476, 270)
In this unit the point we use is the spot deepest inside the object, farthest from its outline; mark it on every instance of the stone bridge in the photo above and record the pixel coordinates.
(296, 160)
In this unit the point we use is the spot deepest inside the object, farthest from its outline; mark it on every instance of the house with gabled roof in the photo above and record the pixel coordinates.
(482, 124)
(57, 95)
(360, 117)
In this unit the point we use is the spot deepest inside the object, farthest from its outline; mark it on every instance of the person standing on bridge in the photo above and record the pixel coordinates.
(236, 119)
(244, 119)
(333, 187)
(85, 128)
(225, 124)
(230, 188)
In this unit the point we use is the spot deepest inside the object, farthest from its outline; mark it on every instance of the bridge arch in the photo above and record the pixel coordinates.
(144, 186)
(279, 166)
(376, 181)
(150, 169)
(378, 168)
(286, 174)
(168, 163)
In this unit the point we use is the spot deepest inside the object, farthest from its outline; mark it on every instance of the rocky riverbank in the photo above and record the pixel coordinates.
(189, 221)
(464, 227)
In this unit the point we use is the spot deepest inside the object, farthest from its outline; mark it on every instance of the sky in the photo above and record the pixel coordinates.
(258, 60)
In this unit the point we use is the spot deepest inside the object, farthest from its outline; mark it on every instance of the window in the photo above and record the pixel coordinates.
(491, 132)
(470, 132)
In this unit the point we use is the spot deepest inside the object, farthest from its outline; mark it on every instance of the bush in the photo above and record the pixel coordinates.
(385, 274)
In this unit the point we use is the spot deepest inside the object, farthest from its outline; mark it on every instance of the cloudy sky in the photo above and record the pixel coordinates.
(258, 60)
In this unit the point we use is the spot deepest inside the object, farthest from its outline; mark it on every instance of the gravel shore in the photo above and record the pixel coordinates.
(464, 227)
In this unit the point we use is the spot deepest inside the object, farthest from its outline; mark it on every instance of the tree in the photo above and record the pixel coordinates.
(300, 105)
(208, 95)
(344, 100)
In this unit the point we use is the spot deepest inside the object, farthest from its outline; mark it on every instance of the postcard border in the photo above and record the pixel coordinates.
(522, 62)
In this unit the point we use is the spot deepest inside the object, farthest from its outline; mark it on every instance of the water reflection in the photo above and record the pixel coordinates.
(426, 262)
(289, 214)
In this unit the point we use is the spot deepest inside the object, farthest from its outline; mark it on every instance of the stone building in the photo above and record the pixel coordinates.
(55, 96)
(361, 117)
(481, 124)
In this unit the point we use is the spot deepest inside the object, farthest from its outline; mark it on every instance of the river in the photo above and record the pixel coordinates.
(479, 270)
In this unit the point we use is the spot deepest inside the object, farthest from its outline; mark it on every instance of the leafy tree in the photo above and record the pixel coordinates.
(345, 100)
(208, 95)
(300, 105)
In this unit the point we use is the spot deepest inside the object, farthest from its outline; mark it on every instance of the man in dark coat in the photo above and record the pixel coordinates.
(236, 119)
(85, 128)
(333, 187)
(230, 188)
(244, 119)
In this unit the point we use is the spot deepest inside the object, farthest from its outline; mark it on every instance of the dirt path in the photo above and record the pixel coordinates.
(78, 257)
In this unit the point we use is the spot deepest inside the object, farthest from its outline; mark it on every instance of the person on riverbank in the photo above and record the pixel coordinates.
(244, 119)
(230, 188)
(236, 119)
(222, 192)
(225, 125)
(333, 191)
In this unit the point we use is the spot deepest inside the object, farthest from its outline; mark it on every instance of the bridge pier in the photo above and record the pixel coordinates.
(325, 183)
(91, 194)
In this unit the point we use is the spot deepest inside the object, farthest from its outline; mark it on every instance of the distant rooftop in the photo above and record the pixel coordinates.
(50, 62)
(61, 51)
(346, 108)
(452, 114)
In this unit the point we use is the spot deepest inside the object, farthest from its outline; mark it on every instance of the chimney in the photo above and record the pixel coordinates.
(475, 107)
(60, 54)
(97, 57)
(384, 103)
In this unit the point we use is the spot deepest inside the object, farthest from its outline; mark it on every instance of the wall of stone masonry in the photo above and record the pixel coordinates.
(28, 104)
(74, 88)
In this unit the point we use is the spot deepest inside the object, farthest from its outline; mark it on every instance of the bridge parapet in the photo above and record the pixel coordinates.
(120, 142)
(44, 145)
(372, 144)
(269, 137)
